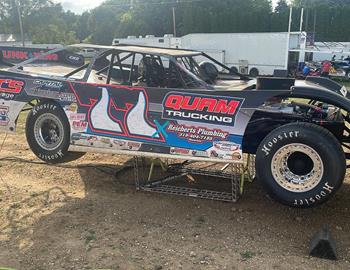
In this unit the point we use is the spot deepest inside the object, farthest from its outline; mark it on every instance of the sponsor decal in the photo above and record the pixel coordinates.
(344, 91)
(11, 86)
(4, 119)
(134, 145)
(78, 136)
(226, 146)
(201, 108)
(119, 143)
(179, 151)
(226, 150)
(68, 97)
(92, 138)
(19, 55)
(80, 126)
(237, 156)
(197, 134)
(37, 92)
(7, 96)
(77, 116)
(74, 58)
(48, 84)
(105, 140)
(25, 55)
(197, 153)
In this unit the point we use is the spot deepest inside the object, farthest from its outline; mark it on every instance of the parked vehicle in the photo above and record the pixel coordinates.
(340, 69)
(172, 103)
(87, 53)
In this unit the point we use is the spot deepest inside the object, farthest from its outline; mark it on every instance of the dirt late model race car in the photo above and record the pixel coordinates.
(181, 104)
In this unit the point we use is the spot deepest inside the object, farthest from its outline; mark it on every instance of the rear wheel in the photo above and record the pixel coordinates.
(254, 72)
(301, 164)
(48, 133)
(234, 70)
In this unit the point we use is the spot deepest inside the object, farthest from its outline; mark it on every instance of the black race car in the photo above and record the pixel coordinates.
(181, 104)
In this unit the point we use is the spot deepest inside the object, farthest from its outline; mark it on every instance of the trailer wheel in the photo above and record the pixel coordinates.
(234, 70)
(300, 164)
(48, 133)
(254, 72)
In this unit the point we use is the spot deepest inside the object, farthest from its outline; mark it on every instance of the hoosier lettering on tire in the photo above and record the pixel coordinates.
(48, 133)
(300, 164)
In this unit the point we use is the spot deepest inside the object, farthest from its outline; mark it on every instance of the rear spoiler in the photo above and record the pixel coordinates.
(330, 85)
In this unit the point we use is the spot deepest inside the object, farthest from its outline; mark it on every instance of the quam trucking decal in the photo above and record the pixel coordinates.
(199, 108)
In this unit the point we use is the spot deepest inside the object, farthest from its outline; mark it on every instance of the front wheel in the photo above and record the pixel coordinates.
(48, 133)
(300, 164)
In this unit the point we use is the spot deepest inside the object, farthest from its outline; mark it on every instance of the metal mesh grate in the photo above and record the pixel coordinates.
(169, 177)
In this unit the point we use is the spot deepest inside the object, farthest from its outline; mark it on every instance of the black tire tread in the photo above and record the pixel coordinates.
(67, 155)
(322, 132)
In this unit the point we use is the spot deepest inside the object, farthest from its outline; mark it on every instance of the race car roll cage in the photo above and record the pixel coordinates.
(190, 67)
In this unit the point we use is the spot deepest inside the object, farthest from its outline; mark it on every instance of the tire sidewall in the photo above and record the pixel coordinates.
(60, 152)
(332, 159)
(254, 72)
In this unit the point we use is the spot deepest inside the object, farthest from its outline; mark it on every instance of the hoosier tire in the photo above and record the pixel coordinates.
(48, 133)
(300, 164)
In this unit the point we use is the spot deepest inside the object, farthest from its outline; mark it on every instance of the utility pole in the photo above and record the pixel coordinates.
(315, 21)
(20, 21)
(174, 21)
(301, 20)
(174, 17)
(288, 38)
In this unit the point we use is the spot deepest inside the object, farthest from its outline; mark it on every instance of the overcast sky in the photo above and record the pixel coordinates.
(79, 6)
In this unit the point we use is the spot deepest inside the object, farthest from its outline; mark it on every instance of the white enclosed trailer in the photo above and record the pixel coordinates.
(249, 53)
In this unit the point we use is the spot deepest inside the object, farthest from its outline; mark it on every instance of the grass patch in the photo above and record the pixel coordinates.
(90, 237)
(246, 255)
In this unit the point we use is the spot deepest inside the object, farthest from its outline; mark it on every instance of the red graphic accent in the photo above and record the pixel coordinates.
(23, 55)
(11, 86)
(194, 103)
(113, 106)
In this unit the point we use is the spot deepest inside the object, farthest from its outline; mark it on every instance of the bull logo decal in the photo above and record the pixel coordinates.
(106, 117)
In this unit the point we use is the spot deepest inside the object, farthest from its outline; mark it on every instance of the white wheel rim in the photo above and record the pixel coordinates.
(287, 178)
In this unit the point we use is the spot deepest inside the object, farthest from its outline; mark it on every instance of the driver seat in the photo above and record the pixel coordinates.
(151, 72)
